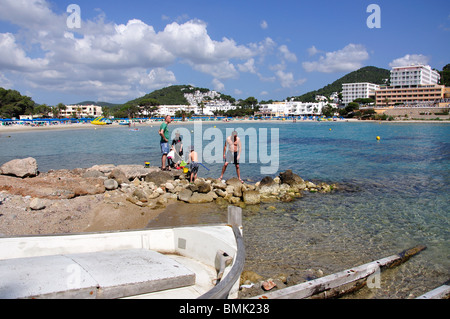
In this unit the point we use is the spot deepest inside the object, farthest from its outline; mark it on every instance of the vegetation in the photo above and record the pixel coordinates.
(445, 75)
(13, 104)
(369, 74)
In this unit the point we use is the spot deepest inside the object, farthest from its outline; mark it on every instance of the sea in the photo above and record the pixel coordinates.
(393, 190)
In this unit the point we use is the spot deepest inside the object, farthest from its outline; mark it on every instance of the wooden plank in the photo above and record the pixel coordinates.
(442, 292)
(309, 288)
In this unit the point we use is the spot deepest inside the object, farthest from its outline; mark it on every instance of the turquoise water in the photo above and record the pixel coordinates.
(394, 192)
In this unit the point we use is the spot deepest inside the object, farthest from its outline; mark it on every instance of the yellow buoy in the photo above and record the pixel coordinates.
(378, 138)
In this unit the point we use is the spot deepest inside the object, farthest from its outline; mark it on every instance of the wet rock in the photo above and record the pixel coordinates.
(268, 284)
(266, 181)
(251, 197)
(251, 276)
(288, 177)
(26, 167)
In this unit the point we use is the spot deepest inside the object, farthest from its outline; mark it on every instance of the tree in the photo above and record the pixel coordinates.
(445, 75)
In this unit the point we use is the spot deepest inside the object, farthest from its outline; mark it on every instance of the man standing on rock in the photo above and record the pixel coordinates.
(234, 146)
(164, 143)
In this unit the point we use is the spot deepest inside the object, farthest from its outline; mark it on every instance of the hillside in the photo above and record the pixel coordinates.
(110, 105)
(172, 95)
(369, 74)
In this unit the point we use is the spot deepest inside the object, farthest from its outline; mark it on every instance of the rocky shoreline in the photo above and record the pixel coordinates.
(147, 186)
(109, 197)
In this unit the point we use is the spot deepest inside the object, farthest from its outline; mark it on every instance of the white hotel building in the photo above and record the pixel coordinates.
(413, 75)
(353, 91)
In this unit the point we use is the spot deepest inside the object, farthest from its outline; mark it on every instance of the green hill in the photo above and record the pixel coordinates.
(172, 95)
(369, 74)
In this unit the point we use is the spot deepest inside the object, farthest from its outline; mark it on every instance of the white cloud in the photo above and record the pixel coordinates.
(313, 51)
(264, 25)
(287, 79)
(287, 55)
(218, 86)
(248, 66)
(349, 58)
(410, 59)
(14, 58)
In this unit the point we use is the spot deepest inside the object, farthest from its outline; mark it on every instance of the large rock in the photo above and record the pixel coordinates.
(290, 178)
(119, 176)
(198, 198)
(158, 177)
(266, 181)
(26, 167)
(185, 195)
(203, 187)
(137, 171)
(251, 197)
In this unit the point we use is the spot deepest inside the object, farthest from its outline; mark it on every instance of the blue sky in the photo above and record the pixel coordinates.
(266, 49)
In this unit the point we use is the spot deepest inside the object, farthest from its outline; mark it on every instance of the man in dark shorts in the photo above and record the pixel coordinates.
(164, 142)
(232, 153)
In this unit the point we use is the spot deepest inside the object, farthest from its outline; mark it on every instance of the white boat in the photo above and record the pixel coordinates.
(175, 263)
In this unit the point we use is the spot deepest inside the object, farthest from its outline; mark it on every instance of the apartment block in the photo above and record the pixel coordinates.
(353, 91)
(413, 75)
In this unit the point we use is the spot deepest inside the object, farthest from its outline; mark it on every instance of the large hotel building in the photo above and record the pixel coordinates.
(414, 85)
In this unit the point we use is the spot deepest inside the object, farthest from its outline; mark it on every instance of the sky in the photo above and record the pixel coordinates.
(115, 51)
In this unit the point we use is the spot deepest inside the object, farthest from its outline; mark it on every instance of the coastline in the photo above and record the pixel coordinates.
(77, 126)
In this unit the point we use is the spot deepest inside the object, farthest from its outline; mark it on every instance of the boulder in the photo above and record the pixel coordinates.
(111, 184)
(266, 181)
(138, 171)
(26, 167)
(92, 174)
(203, 187)
(198, 198)
(158, 177)
(118, 175)
(185, 195)
(251, 197)
(290, 178)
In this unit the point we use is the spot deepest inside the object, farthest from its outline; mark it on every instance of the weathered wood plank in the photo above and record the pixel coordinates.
(309, 288)
(442, 292)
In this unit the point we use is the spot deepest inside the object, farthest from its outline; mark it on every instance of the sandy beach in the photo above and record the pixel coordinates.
(74, 126)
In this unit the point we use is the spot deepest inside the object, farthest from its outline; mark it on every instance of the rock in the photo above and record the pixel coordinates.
(234, 181)
(169, 186)
(268, 284)
(138, 171)
(220, 185)
(234, 200)
(26, 167)
(198, 198)
(158, 177)
(92, 174)
(37, 204)
(105, 168)
(290, 178)
(251, 276)
(118, 175)
(266, 181)
(140, 195)
(111, 184)
(251, 197)
(220, 192)
(286, 198)
(203, 187)
(185, 195)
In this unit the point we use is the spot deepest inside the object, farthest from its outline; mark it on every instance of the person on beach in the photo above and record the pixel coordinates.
(193, 166)
(164, 142)
(232, 153)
